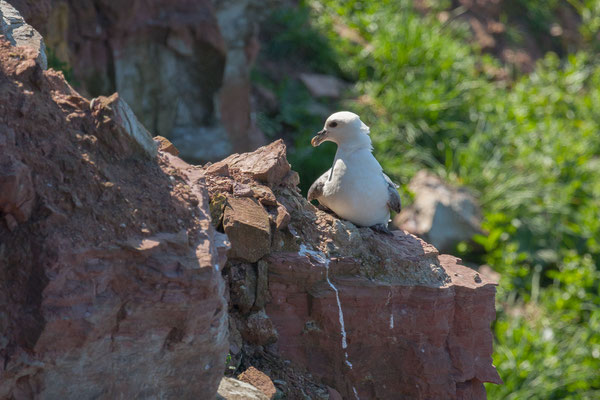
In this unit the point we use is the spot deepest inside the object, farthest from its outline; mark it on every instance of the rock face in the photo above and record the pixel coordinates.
(183, 66)
(19, 33)
(369, 315)
(109, 285)
(441, 214)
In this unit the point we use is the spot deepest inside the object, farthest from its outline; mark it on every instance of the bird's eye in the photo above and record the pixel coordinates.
(332, 124)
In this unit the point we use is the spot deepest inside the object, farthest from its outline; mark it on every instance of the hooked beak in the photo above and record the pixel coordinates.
(317, 140)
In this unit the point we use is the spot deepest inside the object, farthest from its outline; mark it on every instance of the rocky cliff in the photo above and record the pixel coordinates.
(373, 316)
(109, 280)
(117, 279)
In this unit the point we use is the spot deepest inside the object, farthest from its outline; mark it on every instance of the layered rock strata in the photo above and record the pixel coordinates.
(370, 315)
(109, 267)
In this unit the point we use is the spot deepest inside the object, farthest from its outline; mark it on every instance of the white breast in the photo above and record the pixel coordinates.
(357, 190)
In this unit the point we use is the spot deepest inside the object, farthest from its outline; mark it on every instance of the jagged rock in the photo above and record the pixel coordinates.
(267, 164)
(126, 135)
(282, 217)
(322, 85)
(346, 301)
(235, 338)
(441, 214)
(165, 145)
(16, 30)
(264, 195)
(242, 190)
(112, 287)
(259, 329)
(259, 380)
(35, 12)
(246, 223)
(233, 389)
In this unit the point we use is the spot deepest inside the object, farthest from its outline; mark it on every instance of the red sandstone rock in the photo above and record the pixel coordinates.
(246, 224)
(264, 195)
(282, 217)
(110, 289)
(382, 316)
(334, 394)
(403, 341)
(17, 195)
(124, 133)
(267, 164)
(259, 380)
(259, 329)
(165, 145)
(113, 284)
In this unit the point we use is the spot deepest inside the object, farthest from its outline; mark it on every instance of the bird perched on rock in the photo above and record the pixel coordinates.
(355, 187)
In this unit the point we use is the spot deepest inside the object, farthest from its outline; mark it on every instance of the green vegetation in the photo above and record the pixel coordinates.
(530, 148)
(55, 63)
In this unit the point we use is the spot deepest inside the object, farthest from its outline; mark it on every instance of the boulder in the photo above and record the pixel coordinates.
(16, 30)
(246, 223)
(268, 164)
(259, 380)
(441, 214)
(259, 330)
(126, 135)
(233, 389)
(110, 282)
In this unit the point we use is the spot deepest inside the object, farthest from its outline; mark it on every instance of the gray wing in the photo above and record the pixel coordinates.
(393, 202)
(316, 189)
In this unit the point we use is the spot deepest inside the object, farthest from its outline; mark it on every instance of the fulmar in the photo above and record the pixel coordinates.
(355, 187)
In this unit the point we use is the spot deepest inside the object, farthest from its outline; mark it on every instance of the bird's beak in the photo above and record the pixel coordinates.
(317, 140)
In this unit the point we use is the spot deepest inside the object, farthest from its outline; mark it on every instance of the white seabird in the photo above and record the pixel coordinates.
(355, 187)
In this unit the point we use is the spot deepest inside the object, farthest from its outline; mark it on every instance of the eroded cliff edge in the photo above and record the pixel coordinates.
(111, 274)
(109, 285)
(371, 315)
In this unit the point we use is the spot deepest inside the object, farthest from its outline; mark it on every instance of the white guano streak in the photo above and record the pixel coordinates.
(320, 257)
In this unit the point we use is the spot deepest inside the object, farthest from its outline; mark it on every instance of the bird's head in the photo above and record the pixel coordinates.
(345, 129)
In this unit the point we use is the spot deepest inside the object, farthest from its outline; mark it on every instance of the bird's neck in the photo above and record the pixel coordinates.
(350, 147)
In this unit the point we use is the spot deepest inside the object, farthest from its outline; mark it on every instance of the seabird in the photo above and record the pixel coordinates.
(355, 187)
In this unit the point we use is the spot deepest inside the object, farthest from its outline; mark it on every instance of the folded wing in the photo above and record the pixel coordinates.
(393, 202)
(316, 189)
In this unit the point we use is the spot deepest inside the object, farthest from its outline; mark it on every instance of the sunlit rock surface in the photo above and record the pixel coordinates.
(373, 316)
